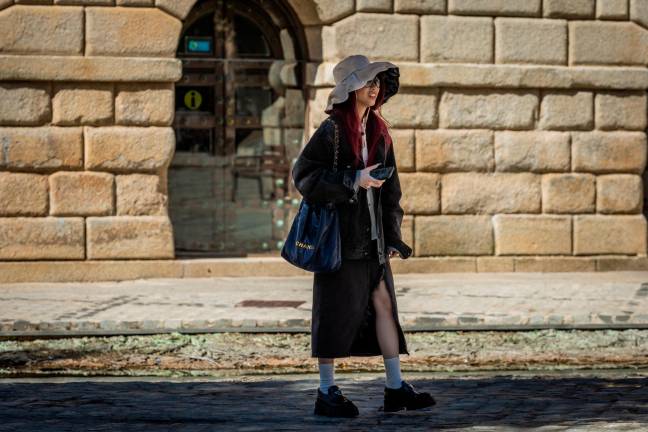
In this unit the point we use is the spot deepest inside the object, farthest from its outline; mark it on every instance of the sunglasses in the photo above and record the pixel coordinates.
(374, 82)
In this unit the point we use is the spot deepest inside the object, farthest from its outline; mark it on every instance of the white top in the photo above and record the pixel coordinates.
(370, 197)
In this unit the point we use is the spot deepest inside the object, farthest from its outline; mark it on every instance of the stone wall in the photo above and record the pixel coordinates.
(86, 108)
(519, 127)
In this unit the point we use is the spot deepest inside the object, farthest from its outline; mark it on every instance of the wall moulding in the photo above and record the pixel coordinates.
(503, 76)
(77, 68)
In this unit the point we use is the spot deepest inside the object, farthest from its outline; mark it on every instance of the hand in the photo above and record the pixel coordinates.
(366, 181)
(393, 253)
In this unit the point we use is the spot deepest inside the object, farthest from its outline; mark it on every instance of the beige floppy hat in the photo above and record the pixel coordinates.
(353, 72)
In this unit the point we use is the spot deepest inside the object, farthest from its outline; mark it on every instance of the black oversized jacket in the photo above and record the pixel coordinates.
(315, 180)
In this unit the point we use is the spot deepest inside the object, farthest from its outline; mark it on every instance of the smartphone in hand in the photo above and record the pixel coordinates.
(382, 173)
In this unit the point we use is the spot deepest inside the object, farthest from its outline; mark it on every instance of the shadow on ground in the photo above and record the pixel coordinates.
(493, 403)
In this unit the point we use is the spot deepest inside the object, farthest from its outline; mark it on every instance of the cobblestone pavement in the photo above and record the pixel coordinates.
(585, 401)
(446, 301)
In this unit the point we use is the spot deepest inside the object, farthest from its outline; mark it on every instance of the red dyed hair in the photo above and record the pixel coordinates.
(345, 112)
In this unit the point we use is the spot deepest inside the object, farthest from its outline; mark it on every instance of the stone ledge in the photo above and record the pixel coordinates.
(117, 270)
(143, 69)
(76, 68)
(22, 328)
(502, 76)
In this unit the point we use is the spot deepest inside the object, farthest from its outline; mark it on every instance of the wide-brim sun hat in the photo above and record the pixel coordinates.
(353, 72)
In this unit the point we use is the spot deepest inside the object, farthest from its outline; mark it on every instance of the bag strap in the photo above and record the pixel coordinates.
(336, 146)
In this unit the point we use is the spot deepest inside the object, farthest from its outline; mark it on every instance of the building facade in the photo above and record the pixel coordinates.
(142, 130)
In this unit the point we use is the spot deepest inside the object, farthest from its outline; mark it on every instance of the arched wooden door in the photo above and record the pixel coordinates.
(239, 124)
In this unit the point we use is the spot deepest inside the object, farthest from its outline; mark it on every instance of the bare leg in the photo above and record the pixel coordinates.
(386, 330)
(321, 360)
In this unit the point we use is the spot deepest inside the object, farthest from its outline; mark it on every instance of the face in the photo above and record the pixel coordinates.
(367, 95)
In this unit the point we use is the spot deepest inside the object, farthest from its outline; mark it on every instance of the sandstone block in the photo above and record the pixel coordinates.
(621, 110)
(78, 68)
(488, 109)
(177, 8)
(457, 75)
(453, 235)
(532, 235)
(294, 108)
(568, 193)
(447, 39)
(602, 234)
(612, 9)
(403, 140)
(526, 40)
(5, 3)
(420, 6)
(140, 195)
(373, 5)
(379, 35)
(532, 151)
(606, 42)
(24, 104)
(407, 230)
(639, 12)
(43, 148)
(145, 104)
(413, 109)
(420, 193)
(477, 193)
(622, 263)
(495, 7)
(81, 194)
(569, 8)
(85, 2)
(609, 152)
(548, 264)
(23, 194)
(567, 110)
(619, 193)
(131, 32)
(447, 150)
(114, 237)
(28, 238)
(128, 148)
(41, 29)
(318, 104)
(82, 104)
(487, 264)
(136, 2)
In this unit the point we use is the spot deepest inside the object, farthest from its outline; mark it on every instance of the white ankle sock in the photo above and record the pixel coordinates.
(326, 372)
(392, 372)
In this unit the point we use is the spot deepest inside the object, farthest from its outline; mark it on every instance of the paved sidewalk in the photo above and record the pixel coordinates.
(447, 301)
(490, 402)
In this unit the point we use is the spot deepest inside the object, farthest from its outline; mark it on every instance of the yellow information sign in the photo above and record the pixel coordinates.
(193, 99)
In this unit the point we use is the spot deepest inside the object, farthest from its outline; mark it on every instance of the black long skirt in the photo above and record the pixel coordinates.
(343, 320)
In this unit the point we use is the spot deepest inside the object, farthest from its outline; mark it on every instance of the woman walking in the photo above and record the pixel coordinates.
(354, 308)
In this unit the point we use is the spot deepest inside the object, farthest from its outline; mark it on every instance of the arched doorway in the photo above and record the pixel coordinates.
(239, 124)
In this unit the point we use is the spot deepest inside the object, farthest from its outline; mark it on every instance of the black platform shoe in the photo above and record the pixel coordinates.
(334, 404)
(407, 398)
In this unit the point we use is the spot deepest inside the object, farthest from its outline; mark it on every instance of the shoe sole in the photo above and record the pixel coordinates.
(406, 408)
(325, 410)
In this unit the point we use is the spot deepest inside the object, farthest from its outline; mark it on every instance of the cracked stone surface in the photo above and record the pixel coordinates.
(425, 302)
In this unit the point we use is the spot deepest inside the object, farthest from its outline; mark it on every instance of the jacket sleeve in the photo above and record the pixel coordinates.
(313, 171)
(392, 212)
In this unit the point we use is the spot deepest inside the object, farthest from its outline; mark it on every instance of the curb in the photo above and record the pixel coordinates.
(301, 329)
